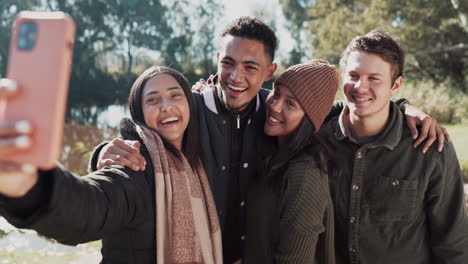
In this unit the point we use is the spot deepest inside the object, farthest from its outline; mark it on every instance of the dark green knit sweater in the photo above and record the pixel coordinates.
(294, 225)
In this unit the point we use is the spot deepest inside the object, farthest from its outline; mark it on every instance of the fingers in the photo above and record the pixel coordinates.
(14, 136)
(13, 128)
(411, 121)
(199, 86)
(123, 153)
(131, 152)
(430, 132)
(440, 138)
(118, 160)
(137, 154)
(9, 168)
(432, 136)
(7, 87)
(14, 144)
(425, 126)
(442, 135)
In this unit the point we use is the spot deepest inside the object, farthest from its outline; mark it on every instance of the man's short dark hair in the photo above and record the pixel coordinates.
(380, 43)
(253, 29)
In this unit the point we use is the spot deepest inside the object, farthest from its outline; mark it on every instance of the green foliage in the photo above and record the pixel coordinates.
(440, 101)
(191, 48)
(92, 93)
(296, 14)
(116, 40)
(434, 32)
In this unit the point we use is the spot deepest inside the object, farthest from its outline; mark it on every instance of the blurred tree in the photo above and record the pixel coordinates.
(297, 16)
(191, 48)
(137, 24)
(103, 27)
(433, 32)
(205, 47)
(116, 39)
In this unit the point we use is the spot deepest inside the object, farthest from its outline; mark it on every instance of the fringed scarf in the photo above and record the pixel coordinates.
(187, 226)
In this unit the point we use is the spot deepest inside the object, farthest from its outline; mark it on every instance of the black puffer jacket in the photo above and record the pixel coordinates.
(114, 204)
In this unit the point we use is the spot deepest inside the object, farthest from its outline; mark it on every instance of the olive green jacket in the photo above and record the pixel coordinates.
(394, 204)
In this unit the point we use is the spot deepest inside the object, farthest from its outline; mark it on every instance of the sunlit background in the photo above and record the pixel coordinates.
(118, 39)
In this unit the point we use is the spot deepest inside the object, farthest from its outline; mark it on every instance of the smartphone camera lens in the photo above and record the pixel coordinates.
(22, 44)
(27, 35)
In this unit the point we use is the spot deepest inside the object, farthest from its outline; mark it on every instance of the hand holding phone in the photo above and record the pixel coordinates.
(39, 62)
(15, 179)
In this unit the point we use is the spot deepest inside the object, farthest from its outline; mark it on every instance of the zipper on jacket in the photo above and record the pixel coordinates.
(238, 121)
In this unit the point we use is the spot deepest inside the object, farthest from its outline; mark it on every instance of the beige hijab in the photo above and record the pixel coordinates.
(187, 226)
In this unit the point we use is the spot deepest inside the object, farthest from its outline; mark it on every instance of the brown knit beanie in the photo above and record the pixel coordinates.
(314, 84)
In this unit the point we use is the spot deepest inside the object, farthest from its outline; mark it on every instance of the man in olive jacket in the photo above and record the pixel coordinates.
(393, 204)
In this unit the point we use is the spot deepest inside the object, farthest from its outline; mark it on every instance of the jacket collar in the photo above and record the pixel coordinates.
(389, 137)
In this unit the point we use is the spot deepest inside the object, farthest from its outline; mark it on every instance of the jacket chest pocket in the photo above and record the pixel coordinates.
(392, 199)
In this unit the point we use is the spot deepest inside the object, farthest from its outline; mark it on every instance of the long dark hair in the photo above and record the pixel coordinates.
(301, 139)
(190, 148)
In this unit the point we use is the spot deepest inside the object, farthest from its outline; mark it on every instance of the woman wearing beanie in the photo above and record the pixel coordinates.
(289, 207)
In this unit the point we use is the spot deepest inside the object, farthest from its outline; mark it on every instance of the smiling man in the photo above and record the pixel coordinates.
(243, 65)
(393, 204)
(231, 112)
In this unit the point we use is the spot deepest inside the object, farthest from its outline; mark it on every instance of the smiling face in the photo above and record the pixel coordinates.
(283, 113)
(368, 86)
(243, 66)
(165, 108)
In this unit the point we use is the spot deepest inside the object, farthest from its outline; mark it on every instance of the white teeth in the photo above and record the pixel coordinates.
(361, 99)
(240, 89)
(274, 120)
(170, 119)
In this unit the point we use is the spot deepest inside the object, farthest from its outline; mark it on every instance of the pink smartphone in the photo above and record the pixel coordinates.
(40, 61)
